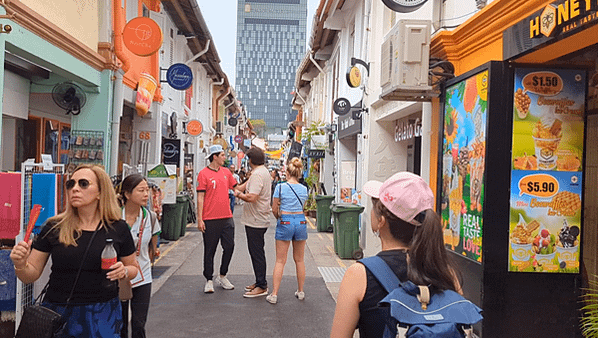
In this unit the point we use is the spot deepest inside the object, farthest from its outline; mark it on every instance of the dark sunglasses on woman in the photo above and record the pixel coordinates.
(83, 183)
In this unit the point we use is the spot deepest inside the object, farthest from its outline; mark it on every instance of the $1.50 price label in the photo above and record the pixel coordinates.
(538, 185)
(543, 83)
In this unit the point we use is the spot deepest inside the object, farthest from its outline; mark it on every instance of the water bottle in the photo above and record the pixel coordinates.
(108, 259)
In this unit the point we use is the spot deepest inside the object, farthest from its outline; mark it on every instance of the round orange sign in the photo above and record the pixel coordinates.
(142, 36)
(194, 128)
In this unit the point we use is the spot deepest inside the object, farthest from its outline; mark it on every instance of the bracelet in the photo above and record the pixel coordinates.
(126, 273)
(23, 268)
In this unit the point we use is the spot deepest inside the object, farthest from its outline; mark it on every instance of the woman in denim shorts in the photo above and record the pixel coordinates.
(287, 206)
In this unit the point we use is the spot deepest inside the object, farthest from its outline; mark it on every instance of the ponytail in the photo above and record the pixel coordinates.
(429, 263)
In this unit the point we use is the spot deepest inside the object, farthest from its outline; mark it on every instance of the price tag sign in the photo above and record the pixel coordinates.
(543, 83)
(538, 185)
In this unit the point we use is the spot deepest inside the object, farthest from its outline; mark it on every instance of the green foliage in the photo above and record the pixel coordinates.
(312, 184)
(313, 130)
(589, 319)
(259, 127)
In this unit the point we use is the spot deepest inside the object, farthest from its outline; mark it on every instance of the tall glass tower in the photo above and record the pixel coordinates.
(270, 46)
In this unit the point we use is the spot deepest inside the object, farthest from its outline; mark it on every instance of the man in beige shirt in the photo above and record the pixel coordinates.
(256, 218)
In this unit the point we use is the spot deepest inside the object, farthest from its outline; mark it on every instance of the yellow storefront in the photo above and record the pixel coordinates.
(513, 41)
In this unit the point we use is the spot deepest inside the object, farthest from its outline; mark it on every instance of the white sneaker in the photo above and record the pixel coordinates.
(300, 295)
(272, 299)
(224, 282)
(209, 288)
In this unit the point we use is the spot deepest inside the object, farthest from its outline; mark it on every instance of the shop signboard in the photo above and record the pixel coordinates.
(171, 149)
(347, 181)
(546, 170)
(142, 36)
(463, 165)
(316, 153)
(179, 76)
(554, 21)
(164, 176)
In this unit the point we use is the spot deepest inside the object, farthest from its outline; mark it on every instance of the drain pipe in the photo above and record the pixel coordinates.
(215, 105)
(118, 93)
(117, 111)
(205, 50)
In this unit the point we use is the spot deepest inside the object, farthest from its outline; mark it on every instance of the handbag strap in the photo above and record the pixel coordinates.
(68, 300)
(295, 194)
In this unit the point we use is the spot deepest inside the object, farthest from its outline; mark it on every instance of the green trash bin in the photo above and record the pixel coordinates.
(184, 200)
(172, 218)
(346, 230)
(323, 215)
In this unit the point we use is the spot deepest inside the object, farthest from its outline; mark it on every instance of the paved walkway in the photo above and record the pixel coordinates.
(179, 308)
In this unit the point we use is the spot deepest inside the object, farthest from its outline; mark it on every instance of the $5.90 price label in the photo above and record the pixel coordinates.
(538, 185)
(543, 83)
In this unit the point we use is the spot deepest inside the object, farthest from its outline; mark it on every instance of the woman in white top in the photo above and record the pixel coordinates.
(134, 193)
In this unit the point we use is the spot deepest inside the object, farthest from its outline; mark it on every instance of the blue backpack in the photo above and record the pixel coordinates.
(409, 310)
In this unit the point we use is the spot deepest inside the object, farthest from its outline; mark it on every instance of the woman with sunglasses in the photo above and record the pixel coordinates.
(91, 217)
(134, 194)
(287, 206)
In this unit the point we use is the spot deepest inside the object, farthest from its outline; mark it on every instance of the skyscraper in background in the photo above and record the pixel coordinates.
(270, 46)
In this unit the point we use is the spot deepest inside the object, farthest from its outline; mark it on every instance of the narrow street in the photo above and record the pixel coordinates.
(180, 308)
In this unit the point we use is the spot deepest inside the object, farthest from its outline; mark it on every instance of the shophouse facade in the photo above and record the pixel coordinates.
(40, 53)
(366, 141)
(49, 50)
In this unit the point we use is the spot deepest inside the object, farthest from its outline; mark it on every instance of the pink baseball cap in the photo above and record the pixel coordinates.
(405, 194)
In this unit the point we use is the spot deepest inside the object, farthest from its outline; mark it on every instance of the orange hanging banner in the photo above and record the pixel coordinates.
(142, 36)
(145, 93)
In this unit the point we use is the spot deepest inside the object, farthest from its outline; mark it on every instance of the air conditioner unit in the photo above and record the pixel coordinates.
(219, 126)
(405, 62)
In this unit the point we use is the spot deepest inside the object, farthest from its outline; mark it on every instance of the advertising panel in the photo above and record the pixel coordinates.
(463, 165)
(546, 175)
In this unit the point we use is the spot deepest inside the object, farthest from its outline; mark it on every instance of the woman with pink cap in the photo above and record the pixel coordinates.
(412, 243)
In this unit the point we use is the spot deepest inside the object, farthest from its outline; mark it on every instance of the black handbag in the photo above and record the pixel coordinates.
(39, 321)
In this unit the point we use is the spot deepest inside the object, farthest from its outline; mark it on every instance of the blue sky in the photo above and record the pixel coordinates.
(221, 17)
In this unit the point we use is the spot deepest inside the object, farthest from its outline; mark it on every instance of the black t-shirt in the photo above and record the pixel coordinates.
(67, 260)
(371, 322)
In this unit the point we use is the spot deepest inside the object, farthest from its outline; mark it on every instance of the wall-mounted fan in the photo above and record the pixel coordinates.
(69, 97)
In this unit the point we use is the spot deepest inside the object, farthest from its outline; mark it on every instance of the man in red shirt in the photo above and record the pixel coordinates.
(214, 217)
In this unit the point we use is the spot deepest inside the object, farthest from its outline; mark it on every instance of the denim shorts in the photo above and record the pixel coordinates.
(291, 227)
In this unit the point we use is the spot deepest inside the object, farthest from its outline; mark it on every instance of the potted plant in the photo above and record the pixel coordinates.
(589, 319)
(312, 188)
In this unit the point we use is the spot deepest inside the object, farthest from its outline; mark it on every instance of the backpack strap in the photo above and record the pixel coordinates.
(389, 281)
(152, 220)
(382, 272)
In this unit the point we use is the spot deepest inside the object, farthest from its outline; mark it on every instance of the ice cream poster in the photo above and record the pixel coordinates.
(463, 163)
(545, 221)
(548, 119)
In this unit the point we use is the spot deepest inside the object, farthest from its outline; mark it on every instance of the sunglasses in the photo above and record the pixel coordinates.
(83, 183)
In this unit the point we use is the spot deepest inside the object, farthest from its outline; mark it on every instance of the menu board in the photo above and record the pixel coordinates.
(546, 170)
(463, 165)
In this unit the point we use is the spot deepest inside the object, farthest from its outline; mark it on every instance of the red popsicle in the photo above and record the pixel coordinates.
(32, 219)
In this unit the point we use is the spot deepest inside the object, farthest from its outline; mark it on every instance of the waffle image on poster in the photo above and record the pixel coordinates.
(545, 221)
(548, 119)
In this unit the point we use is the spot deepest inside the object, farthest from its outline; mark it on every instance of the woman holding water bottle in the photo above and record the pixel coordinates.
(79, 289)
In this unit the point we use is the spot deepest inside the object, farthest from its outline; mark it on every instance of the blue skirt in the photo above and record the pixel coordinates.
(91, 320)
